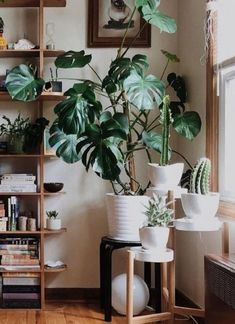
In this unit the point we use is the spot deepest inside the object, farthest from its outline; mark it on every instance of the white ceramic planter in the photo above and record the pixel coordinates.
(165, 177)
(154, 238)
(198, 206)
(53, 224)
(125, 216)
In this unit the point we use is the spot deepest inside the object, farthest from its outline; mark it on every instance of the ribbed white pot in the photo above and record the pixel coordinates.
(154, 238)
(125, 216)
(53, 224)
(165, 177)
(198, 206)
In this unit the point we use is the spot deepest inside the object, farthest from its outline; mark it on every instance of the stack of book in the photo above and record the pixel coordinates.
(18, 182)
(21, 290)
(3, 218)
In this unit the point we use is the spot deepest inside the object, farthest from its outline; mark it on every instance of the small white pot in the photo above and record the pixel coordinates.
(165, 177)
(53, 224)
(125, 216)
(197, 206)
(154, 238)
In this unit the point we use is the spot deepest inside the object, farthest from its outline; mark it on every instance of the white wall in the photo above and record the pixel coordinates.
(82, 208)
(191, 247)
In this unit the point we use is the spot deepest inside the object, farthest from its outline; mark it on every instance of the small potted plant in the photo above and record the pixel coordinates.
(199, 203)
(154, 236)
(53, 223)
(15, 132)
(53, 85)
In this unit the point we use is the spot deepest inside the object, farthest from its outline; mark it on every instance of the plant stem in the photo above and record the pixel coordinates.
(152, 122)
(125, 35)
(134, 39)
(95, 73)
(184, 158)
(166, 66)
(154, 126)
(166, 121)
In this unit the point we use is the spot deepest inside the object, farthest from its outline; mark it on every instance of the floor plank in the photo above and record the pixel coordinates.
(64, 313)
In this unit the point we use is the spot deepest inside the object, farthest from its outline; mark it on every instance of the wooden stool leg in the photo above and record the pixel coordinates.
(129, 287)
(164, 286)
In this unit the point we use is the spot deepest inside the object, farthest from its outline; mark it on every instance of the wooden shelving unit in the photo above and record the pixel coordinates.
(41, 54)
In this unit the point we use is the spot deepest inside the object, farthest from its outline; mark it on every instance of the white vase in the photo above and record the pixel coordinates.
(125, 216)
(165, 177)
(201, 207)
(154, 238)
(53, 224)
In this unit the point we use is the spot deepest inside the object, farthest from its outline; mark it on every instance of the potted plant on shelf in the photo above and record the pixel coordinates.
(199, 203)
(106, 136)
(34, 135)
(53, 223)
(53, 85)
(15, 132)
(154, 236)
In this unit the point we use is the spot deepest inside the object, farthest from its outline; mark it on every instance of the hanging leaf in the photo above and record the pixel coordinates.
(150, 13)
(171, 57)
(178, 84)
(187, 124)
(144, 91)
(153, 140)
(72, 59)
(22, 83)
(65, 145)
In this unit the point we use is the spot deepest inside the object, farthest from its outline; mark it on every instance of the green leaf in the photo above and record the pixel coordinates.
(149, 11)
(171, 57)
(65, 145)
(22, 83)
(109, 85)
(153, 140)
(144, 91)
(72, 59)
(187, 124)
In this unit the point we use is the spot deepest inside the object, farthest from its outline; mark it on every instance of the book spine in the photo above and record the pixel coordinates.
(9, 213)
(13, 214)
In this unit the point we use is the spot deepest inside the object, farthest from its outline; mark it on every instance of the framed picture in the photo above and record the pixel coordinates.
(108, 20)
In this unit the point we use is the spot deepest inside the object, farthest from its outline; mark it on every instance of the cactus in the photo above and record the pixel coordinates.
(166, 121)
(200, 177)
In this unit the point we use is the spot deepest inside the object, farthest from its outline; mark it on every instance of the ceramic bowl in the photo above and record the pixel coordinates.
(53, 186)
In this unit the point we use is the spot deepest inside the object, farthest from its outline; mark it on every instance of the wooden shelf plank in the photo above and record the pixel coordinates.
(54, 193)
(52, 53)
(19, 53)
(20, 156)
(32, 3)
(46, 96)
(20, 194)
(22, 270)
(46, 270)
(49, 232)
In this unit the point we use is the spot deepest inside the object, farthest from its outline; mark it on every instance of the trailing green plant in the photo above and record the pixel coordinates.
(157, 212)
(52, 214)
(200, 177)
(33, 135)
(105, 135)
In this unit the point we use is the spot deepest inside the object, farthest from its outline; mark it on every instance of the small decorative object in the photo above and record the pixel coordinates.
(3, 42)
(141, 294)
(54, 264)
(53, 186)
(31, 224)
(11, 46)
(3, 224)
(24, 44)
(155, 235)
(200, 204)
(22, 223)
(50, 31)
(3, 147)
(53, 223)
(53, 85)
(15, 131)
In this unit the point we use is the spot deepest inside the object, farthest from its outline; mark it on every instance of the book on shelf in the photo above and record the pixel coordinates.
(20, 275)
(17, 183)
(7, 303)
(18, 177)
(20, 267)
(21, 281)
(17, 296)
(21, 289)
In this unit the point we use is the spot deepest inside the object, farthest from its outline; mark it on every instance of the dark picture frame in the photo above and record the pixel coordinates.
(94, 28)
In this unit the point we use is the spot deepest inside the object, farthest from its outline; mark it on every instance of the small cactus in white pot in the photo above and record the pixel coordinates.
(154, 236)
(199, 203)
(53, 223)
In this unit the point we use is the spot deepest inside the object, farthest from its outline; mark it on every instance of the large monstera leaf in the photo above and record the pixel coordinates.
(99, 145)
(65, 145)
(143, 91)
(150, 12)
(153, 140)
(72, 59)
(187, 124)
(23, 84)
(77, 110)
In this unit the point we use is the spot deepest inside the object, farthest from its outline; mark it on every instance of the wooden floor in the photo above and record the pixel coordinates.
(62, 313)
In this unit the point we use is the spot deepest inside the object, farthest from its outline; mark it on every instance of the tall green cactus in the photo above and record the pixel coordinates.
(166, 121)
(200, 177)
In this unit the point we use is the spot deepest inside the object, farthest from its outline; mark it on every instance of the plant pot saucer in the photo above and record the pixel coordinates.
(166, 255)
(163, 191)
(192, 225)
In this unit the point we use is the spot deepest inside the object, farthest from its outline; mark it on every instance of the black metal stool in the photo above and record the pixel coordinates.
(107, 246)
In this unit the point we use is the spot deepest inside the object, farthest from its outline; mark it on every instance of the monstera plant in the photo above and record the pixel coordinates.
(105, 134)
